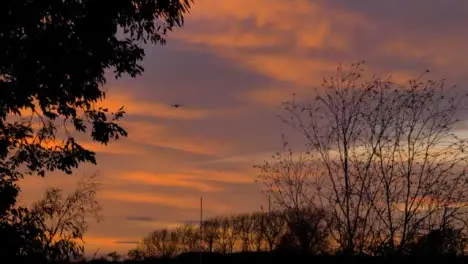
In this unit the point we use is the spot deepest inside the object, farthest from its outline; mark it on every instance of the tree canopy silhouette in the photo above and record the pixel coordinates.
(383, 157)
(54, 59)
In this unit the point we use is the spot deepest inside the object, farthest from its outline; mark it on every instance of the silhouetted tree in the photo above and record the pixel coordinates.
(210, 233)
(256, 232)
(225, 235)
(275, 228)
(257, 239)
(189, 238)
(232, 235)
(114, 256)
(135, 254)
(381, 157)
(64, 219)
(288, 179)
(440, 242)
(308, 231)
(53, 60)
(53, 228)
(22, 236)
(162, 243)
(243, 227)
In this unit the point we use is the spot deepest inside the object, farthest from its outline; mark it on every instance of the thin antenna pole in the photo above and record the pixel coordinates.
(269, 204)
(201, 227)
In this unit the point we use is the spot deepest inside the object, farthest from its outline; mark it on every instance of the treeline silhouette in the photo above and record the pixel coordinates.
(300, 233)
(280, 258)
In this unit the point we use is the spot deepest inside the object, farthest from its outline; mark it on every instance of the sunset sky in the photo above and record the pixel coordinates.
(231, 65)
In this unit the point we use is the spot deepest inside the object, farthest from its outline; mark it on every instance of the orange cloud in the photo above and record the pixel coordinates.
(236, 39)
(281, 39)
(148, 133)
(221, 176)
(293, 27)
(182, 202)
(277, 14)
(158, 224)
(283, 67)
(249, 159)
(172, 179)
(204, 180)
(120, 147)
(116, 147)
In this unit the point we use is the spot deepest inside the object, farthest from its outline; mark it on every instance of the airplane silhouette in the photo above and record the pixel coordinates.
(176, 105)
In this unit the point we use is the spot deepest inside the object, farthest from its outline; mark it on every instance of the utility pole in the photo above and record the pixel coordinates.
(201, 228)
(269, 204)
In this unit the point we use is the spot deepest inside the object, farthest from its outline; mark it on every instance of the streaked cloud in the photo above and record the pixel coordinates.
(140, 218)
(224, 176)
(176, 180)
(121, 147)
(184, 202)
(154, 134)
(274, 47)
(127, 242)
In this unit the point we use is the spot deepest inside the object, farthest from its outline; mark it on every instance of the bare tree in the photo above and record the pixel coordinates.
(243, 227)
(135, 254)
(211, 233)
(257, 238)
(161, 243)
(419, 161)
(189, 237)
(65, 218)
(234, 234)
(226, 238)
(275, 228)
(438, 242)
(382, 158)
(114, 256)
(308, 230)
(287, 178)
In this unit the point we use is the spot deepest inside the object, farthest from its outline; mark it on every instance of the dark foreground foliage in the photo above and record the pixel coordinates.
(55, 57)
(273, 258)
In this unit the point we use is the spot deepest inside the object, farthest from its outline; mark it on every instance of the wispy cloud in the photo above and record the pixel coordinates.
(140, 218)
(120, 147)
(174, 180)
(126, 242)
(182, 202)
(245, 31)
(224, 176)
(153, 134)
